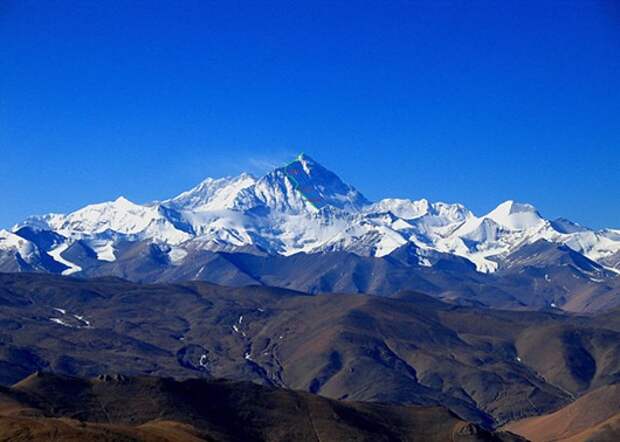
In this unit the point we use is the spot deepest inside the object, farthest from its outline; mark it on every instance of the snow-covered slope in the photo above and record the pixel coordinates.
(120, 217)
(303, 207)
(211, 194)
(56, 254)
(302, 186)
(9, 242)
(20, 254)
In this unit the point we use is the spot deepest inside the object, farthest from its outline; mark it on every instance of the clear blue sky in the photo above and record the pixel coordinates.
(460, 101)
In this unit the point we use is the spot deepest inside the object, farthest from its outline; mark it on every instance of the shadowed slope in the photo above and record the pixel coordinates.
(147, 408)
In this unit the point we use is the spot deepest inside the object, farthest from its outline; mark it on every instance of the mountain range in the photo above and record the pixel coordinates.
(300, 226)
(489, 367)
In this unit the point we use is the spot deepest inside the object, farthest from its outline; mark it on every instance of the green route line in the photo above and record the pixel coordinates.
(296, 185)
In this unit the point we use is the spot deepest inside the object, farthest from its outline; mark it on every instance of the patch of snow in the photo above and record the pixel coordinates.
(104, 250)
(61, 322)
(424, 262)
(82, 319)
(177, 255)
(199, 272)
(56, 254)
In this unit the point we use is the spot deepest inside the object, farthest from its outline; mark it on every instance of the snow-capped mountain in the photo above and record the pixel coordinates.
(211, 194)
(118, 217)
(11, 242)
(299, 208)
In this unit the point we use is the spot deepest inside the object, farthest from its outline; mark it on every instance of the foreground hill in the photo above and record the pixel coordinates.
(595, 417)
(52, 407)
(488, 366)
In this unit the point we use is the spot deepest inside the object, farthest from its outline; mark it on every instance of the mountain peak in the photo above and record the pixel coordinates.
(512, 206)
(122, 201)
(212, 193)
(307, 163)
(304, 163)
(567, 226)
(320, 187)
(515, 216)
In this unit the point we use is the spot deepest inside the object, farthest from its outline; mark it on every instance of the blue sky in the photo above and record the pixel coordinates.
(460, 101)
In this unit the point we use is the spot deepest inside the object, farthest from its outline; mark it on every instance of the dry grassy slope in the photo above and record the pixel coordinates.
(46, 406)
(486, 365)
(575, 358)
(369, 348)
(593, 417)
(607, 431)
